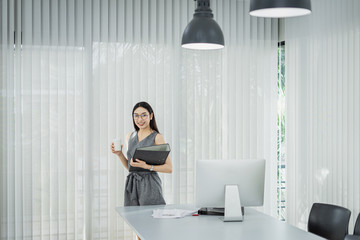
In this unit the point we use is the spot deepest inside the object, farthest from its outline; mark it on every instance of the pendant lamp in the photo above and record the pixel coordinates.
(203, 32)
(279, 8)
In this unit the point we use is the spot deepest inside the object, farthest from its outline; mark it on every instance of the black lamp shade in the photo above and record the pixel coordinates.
(279, 8)
(203, 32)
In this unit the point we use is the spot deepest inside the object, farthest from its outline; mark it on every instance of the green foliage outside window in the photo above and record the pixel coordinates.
(281, 187)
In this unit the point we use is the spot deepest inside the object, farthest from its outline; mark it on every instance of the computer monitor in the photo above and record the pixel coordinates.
(244, 179)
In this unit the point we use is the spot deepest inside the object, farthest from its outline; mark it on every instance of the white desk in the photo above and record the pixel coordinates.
(256, 226)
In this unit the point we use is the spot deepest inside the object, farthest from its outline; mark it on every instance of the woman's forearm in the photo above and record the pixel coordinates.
(124, 161)
(165, 168)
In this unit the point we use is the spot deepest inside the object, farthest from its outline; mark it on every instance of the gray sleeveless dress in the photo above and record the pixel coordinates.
(142, 188)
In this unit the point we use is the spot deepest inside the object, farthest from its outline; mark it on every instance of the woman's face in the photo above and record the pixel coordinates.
(142, 117)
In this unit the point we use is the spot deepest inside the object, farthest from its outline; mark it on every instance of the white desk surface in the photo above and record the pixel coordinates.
(256, 226)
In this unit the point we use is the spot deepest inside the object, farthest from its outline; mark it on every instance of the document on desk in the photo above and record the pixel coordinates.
(173, 213)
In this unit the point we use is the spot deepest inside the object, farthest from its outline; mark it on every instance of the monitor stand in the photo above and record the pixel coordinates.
(233, 211)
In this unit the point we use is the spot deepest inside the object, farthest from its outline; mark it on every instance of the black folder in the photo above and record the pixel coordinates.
(152, 155)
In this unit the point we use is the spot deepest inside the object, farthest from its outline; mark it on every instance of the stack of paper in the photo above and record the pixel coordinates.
(172, 213)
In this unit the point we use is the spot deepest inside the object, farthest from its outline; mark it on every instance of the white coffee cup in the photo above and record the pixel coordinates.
(117, 144)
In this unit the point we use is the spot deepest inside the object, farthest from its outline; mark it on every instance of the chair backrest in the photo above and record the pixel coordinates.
(357, 226)
(329, 221)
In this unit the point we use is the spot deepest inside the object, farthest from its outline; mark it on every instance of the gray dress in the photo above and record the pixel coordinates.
(142, 188)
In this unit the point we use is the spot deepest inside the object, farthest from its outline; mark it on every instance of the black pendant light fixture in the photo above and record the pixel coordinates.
(279, 8)
(203, 32)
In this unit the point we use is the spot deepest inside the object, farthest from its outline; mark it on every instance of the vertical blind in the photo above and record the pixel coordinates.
(71, 71)
(322, 74)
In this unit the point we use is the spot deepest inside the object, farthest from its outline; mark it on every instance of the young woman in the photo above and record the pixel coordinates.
(143, 187)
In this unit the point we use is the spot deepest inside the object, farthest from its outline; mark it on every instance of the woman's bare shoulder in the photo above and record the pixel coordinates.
(128, 136)
(159, 139)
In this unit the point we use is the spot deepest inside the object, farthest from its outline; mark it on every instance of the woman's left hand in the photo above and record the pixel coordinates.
(139, 163)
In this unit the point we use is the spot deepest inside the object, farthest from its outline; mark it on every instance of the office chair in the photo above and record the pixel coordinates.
(329, 221)
(356, 235)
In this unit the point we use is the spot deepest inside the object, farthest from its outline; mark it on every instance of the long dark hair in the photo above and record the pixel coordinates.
(149, 109)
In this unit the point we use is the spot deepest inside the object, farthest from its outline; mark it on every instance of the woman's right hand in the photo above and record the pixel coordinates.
(114, 151)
